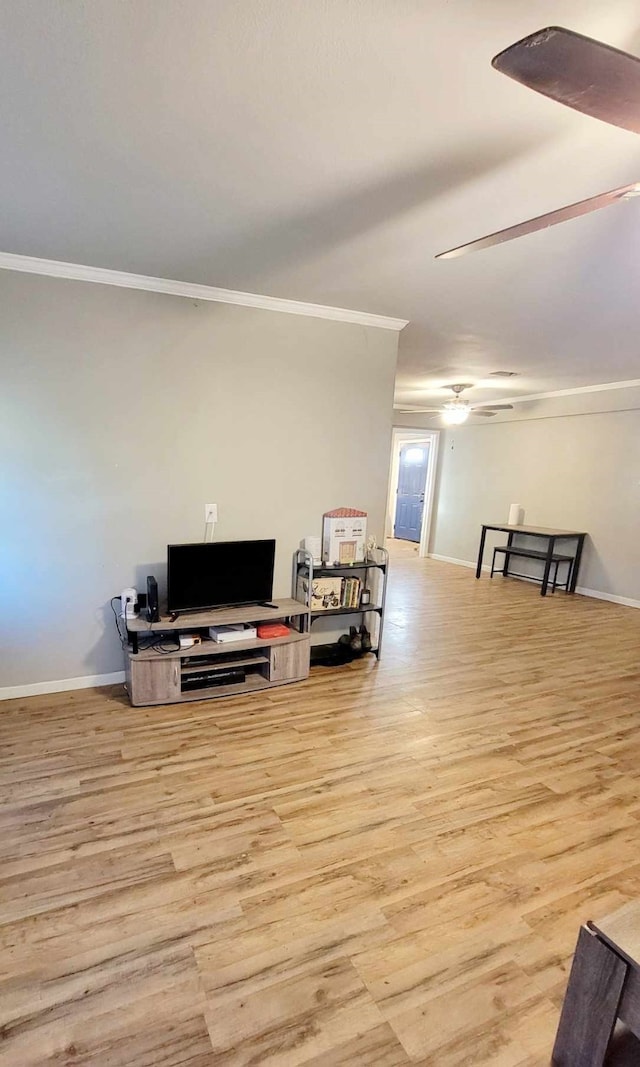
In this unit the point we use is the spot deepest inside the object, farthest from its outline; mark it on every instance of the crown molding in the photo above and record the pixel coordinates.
(633, 383)
(54, 268)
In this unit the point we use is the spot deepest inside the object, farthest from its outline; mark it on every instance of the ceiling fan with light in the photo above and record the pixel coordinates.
(457, 411)
(583, 74)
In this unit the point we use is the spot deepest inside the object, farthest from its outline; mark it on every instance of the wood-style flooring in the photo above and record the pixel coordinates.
(384, 865)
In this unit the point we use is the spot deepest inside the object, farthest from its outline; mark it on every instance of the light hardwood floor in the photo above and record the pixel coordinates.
(384, 865)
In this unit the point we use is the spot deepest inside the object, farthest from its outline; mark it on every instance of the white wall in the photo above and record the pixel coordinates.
(573, 462)
(123, 412)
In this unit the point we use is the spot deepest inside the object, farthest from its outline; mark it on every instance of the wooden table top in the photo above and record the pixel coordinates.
(622, 930)
(539, 531)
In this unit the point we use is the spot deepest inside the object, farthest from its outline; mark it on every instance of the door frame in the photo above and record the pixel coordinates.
(400, 437)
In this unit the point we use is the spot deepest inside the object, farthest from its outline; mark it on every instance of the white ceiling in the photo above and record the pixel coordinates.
(324, 151)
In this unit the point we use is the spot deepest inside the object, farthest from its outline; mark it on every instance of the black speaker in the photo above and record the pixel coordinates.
(153, 613)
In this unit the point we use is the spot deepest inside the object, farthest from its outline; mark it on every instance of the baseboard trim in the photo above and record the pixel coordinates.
(625, 601)
(458, 562)
(62, 685)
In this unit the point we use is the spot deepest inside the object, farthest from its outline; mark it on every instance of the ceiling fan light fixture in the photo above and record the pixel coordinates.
(454, 414)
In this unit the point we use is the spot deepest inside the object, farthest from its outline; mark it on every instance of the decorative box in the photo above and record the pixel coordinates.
(344, 536)
(326, 593)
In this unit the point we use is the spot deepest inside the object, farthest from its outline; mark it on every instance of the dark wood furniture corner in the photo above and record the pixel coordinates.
(604, 987)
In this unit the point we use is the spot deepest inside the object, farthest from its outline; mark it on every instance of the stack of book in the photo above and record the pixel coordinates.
(351, 592)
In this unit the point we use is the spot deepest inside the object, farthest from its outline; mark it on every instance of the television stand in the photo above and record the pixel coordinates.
(161, 676)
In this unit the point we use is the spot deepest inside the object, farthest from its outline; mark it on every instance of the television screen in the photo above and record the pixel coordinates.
(219, 573)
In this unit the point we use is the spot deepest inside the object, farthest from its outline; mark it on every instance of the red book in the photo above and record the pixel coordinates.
(273, 629)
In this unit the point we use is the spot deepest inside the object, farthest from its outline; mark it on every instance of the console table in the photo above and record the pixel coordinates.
(547, 553)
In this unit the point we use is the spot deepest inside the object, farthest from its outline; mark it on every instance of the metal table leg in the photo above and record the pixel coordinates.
(575, 565)
(483, 537)
(547, 566)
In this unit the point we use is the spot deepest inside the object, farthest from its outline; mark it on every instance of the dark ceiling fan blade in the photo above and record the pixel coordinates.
(541, 222)
(482, 411)
(493, 407)
(584, 74)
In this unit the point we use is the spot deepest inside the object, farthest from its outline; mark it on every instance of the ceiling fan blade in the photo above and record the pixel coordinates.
(493, 407)
(419, 411)
(584, 74)
(483, 411)
(541, 222)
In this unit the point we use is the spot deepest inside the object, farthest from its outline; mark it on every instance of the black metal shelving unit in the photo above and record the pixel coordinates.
(303, 566)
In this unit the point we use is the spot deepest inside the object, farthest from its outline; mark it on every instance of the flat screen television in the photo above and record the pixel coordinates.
(215, 574)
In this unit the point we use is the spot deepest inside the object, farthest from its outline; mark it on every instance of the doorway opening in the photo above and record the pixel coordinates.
(414, 456)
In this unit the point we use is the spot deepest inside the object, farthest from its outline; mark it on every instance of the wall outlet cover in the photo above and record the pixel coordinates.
(210, 513)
